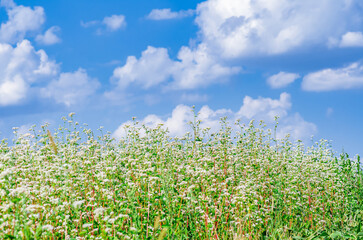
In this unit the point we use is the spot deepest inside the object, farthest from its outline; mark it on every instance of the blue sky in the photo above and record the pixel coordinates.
(108, 61)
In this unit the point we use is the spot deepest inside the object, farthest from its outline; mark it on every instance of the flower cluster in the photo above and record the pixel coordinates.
(222, 185)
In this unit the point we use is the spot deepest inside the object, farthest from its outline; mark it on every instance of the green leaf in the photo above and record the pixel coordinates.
(336, 234)
(9, 236)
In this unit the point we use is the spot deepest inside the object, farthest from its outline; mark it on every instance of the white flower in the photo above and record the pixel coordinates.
(6, 172)
(32, 208)
(77, 204)
(99, 211)
(87, 225)
(48, 227)
(2, 193)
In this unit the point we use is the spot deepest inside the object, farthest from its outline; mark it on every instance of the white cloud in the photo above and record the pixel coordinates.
(352, 39)
(334, 79)
(114, 22)
(166, 13)
(71, 87)
(89, 24)
(22, 20)
(110, 23)
(297, 127)
(282, 79)
(152, 68)
(198, 68)
(192, 69)
(12, 91)
(230, 29)
(237, 28)
(49, 37)
(265, 108)
(20, 68)
(24, 69)
(258, 109)
(7, 3)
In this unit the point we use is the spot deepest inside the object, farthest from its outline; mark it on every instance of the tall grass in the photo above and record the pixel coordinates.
(229, 184)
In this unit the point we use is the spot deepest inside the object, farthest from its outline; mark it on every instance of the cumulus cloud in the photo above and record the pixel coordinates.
(166, 13)
(192, 69)
(71, 87)
(21, 20)
(282, 79)
(20, 68)
(234, 29)
(24, 69)
(198, 68)
(265, 108)
(110, 23)
(49, 37)
(334, 79)
(114, 22)
(153, 67)
(259, 109)
(352, 39)
(242, 28)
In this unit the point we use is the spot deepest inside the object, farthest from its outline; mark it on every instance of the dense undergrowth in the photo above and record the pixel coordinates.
(244, 184)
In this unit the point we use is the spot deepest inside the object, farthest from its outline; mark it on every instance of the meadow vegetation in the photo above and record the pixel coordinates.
(69, 183)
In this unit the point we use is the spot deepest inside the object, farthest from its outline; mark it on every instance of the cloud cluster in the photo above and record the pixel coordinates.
(21, 21)
(234, 29)
(24, 69)
(192, 69)
(258, 109)
(166, 13)
(20, 67)
(243, 28)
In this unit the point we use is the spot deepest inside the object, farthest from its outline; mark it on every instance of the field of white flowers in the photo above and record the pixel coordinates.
(71, 184)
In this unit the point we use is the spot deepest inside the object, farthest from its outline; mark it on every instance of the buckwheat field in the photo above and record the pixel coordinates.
(72, 183)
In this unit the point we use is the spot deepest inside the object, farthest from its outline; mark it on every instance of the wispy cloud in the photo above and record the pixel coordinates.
(166, 13)
(329, 112)
(108, 24)
(89, 24)
(71, 87)
(194, 97)
(282, 79)
(334, 79)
